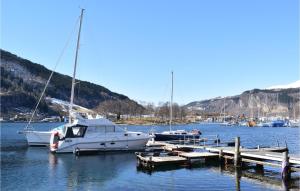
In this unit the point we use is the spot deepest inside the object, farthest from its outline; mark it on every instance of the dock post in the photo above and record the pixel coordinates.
(238, 175)
(221, 155)
(237, 152)
(285, 166)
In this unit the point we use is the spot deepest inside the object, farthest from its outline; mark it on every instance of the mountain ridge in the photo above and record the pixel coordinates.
(22, 82)
(256, 102)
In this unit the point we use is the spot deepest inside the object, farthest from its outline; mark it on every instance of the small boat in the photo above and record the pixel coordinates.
(176, 134)
(251, 123)
(294, 123)
(243, 123)
(264, 124)
(278, 123)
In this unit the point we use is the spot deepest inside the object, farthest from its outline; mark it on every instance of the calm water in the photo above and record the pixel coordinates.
(34, 168)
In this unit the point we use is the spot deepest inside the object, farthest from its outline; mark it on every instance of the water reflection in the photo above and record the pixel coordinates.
(256, 174)
(37, 169)
(84, 172)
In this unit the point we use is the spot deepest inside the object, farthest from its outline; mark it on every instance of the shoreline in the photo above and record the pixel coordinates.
(148, 123)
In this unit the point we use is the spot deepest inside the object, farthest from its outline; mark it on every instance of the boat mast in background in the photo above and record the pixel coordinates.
(74, 71)
(171, 103)
(224, 116)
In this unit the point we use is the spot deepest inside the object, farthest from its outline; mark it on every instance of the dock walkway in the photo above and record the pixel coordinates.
(270, 156)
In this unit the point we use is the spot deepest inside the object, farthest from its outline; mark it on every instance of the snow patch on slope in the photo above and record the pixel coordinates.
(291, 85)
(65, 105)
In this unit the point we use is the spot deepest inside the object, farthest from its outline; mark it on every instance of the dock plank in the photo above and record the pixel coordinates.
(194, 155)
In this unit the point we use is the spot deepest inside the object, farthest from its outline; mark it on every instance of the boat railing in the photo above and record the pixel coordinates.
(196, 140)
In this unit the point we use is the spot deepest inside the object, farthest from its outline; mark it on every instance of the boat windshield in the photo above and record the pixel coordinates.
(75, 131)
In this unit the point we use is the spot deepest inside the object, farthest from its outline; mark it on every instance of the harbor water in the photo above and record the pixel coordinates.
(34, 168)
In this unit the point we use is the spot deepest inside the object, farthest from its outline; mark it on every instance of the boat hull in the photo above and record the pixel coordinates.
(102, 145)
(38, 138)
(278, 123)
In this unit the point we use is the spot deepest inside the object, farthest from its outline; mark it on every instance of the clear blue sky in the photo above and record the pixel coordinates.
(215, 47)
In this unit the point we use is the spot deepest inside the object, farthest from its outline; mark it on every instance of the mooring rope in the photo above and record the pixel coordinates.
(48, 81)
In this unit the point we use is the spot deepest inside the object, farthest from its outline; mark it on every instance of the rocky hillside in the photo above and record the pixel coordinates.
(23, 81)
(267, 102)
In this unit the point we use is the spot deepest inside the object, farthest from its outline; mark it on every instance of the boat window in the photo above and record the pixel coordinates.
(76, 131)
(118, 129)
(109, 129)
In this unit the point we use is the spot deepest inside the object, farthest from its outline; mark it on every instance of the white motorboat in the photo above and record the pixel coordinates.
(93, 134)
(96, 135)
(85, 134)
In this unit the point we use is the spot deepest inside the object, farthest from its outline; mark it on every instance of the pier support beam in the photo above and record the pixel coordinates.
(285, 166)
(259, 169)
(221, 155)
(237, 157)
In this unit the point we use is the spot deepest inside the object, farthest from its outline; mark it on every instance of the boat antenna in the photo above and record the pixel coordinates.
(74, 71)
(171, 103)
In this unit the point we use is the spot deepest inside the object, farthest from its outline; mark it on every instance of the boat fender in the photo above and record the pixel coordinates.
(77, 151)
(55, 145)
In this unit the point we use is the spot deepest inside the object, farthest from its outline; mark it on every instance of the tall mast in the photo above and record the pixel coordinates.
(171, 103)
(74, 71)
(294, 111)
(224, 110)
(277, 104)
(251, 101)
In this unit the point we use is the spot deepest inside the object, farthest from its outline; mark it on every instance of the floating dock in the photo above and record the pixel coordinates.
(184, 154)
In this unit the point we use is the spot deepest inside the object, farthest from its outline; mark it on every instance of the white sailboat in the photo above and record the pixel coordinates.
(93, 134)
(294, 122)
(225, 123)
(175, 134)
(82, 134)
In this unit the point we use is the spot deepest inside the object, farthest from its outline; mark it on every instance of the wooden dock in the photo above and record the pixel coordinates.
(183, 154)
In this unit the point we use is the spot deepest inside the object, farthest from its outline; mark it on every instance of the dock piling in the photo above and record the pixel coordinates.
(221, 155)
(285, 166)
(237, 152)
(260, 156)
